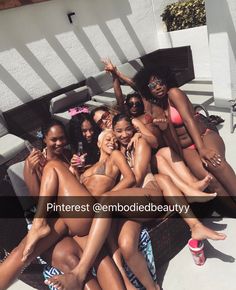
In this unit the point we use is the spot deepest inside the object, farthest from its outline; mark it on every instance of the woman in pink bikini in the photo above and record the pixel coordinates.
(201, 147)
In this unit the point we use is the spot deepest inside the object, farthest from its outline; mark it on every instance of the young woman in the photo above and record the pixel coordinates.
(54, 140)
(83, 129)
(105, 172)
(202, 148)
(166, 160)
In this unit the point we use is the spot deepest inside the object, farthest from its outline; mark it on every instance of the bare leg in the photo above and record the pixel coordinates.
(128, 244)
(100, 229)
(224, 173)
(166, 169)
(223, 197)
(181, 170)
(173, 196)
(56, 180)
(11, 268)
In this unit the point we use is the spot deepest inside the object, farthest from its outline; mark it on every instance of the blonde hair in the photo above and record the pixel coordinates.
(103, 134)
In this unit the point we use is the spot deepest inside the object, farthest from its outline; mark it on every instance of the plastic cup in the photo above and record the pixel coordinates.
(197, 250)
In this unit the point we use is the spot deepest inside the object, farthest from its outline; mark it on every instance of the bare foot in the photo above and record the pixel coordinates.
(67, 281)
(195, 195)
(200, 232)
(203, 183)
(38, 231)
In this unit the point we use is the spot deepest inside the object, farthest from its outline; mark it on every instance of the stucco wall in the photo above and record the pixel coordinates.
(221, 22)
(197, 38)
(40, 51)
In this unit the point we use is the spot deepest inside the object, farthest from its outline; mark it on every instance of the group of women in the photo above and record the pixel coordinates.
(151, 148)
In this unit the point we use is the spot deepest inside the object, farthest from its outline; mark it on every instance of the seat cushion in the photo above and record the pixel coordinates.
(10, 145)
(69, 100)
(3, 126)
(99, 83)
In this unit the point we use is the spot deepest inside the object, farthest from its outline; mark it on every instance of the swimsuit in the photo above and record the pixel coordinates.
(99, 171)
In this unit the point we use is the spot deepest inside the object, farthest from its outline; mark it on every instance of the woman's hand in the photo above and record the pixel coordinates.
(209, 155)
(78, 161)
(35, 160)
(109, 66)
(133, 142)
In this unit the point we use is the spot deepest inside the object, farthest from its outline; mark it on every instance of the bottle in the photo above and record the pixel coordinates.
(80, 152)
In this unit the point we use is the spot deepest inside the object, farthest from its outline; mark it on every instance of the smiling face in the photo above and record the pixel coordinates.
(135, 106)
(55, 140)
(87, 131)
(103, 119)
(107, 141)
(157, 87)
(124, 131)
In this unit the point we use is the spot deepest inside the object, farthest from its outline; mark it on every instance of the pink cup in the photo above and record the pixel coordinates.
(197, 250)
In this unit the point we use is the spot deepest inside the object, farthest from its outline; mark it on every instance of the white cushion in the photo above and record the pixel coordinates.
(99, 83)
(69, 100)
(10, 146)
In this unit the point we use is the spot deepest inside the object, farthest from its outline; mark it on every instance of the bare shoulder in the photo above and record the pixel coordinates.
(176, 94)
(116, 154)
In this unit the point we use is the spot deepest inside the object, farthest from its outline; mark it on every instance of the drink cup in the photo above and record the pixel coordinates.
(197, 250)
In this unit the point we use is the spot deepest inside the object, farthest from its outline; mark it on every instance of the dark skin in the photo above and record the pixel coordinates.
(209, 155)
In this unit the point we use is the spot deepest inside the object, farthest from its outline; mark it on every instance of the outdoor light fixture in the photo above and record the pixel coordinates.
(69, 15)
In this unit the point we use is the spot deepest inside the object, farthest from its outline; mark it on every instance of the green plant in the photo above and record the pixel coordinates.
(184, 14)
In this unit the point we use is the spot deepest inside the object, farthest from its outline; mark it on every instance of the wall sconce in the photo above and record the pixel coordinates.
(69, 15)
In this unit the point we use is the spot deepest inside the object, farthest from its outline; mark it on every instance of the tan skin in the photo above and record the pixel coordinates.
(209, 154)
(167, 161)
(130, 230)
(55, 173)
(55, 140)
(114, 163)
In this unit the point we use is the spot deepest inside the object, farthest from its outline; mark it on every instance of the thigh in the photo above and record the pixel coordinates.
(129, 233)
(213, 140)
(194, 162)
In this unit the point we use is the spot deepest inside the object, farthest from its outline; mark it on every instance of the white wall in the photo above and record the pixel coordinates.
(41, 52)
(221, 22)
(197, 38)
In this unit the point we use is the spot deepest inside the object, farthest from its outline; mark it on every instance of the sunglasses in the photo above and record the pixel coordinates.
(105, 116)
(154, 83)
(134, 104)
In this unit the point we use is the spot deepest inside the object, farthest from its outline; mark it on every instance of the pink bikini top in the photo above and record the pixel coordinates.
(175, 117)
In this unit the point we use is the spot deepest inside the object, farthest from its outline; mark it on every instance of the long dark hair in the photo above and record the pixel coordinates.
(76, 136)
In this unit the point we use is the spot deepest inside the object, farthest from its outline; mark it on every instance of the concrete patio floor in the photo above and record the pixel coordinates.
(219, 270)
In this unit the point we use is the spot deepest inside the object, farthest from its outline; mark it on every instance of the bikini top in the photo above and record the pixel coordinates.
(175, 117)
(100, 170)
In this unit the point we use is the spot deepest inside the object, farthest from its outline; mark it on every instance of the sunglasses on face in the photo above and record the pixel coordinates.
(154, 83)
(134, 104)
(105, 116)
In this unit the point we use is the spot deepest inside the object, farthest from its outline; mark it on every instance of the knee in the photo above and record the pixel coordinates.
(163, 152)
(64, 261)
(128, 247)
(53, 164)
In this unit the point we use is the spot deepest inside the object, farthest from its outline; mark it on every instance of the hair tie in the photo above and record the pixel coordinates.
(78, 110)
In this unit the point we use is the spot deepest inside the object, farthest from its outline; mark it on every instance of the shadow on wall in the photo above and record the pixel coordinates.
(225, 20)
(54, 53)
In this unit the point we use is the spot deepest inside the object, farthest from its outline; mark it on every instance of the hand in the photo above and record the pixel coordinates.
(133, 142)
(209, 155)
(35, 160)
(162, 123)
(78, 161)
(109, 66)
(136, 124)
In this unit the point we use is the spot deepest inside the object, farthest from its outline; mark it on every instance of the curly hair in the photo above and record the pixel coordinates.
(143, 76)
